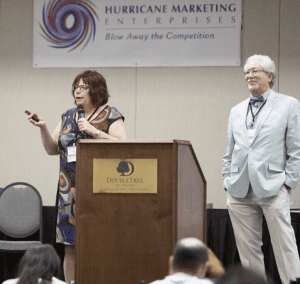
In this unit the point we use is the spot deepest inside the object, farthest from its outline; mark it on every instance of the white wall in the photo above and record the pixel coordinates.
(165, 103)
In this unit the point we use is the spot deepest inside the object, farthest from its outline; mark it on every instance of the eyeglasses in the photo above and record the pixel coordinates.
(253, 72)
(83, 88)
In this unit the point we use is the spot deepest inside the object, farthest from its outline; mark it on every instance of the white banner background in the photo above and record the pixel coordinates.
(137, 33)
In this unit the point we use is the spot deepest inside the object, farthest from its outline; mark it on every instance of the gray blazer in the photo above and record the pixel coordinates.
(273, 158)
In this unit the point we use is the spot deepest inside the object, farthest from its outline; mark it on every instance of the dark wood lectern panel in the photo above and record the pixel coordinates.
(125, 238)
(192, 195)
(129, 230)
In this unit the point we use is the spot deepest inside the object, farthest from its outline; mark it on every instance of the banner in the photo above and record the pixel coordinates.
(131, 33)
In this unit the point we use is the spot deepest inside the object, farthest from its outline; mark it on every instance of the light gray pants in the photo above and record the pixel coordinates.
(246, 217)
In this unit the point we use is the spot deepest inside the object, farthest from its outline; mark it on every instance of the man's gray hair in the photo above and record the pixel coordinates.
(266, 63)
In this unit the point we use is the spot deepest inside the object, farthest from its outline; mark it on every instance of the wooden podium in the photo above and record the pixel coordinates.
(128, 237)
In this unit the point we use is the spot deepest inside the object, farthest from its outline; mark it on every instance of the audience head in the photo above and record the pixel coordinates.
(240, 275)
(39, 262)
(190, 256)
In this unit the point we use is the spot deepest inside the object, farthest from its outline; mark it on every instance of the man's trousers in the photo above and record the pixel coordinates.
(246, 217)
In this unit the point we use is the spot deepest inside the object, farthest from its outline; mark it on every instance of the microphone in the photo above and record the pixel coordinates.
(80, 111)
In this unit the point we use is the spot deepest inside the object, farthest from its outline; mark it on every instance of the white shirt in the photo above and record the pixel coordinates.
(15, 281)
(182, 278)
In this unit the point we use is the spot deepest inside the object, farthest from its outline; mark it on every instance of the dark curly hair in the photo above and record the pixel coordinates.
(97, 86)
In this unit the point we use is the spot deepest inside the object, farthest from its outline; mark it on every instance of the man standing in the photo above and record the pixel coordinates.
(260, 168)
(188, 264)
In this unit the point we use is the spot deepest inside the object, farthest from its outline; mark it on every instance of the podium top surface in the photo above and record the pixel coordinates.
(129, 141)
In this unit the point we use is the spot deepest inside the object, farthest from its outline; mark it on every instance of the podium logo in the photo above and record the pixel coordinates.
(125, 167)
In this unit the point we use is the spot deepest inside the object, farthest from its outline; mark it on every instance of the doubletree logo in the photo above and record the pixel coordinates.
(125, 167)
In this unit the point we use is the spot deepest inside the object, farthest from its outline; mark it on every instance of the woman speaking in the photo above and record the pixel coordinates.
(92, 118)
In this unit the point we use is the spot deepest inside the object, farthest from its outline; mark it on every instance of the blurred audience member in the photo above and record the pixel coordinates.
(240, 275)
(215, 268)
(39, 265)
(188, 264)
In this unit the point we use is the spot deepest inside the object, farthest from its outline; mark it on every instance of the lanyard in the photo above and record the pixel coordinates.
(93, 113)
(254, 116)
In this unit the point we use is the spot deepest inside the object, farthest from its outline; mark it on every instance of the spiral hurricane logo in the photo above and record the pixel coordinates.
(69, 23)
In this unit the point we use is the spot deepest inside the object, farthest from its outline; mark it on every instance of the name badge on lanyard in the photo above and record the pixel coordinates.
(254, 116)
(71, 154)
(251, 134)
